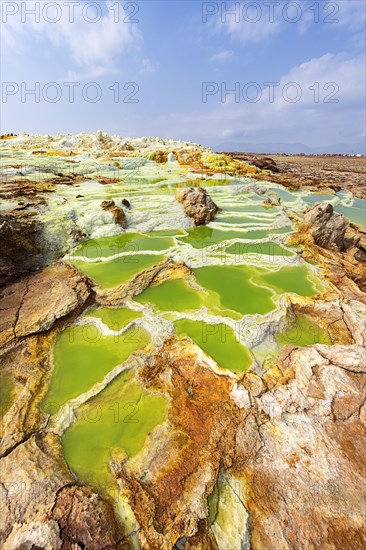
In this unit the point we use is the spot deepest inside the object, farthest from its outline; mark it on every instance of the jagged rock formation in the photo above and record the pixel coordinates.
(119, 215)
(272, 436)
(308, 468)
(344, 267)
(198, 205)
(327, 228)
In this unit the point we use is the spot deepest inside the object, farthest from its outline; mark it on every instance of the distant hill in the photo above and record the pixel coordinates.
(291, 148)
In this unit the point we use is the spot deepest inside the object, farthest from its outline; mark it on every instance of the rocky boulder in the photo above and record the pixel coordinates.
(42, 506)
(85, 519)
(327, 228)
(35, 302)
(198, 205)
(119, 215)
(264, 163)
(21, 249)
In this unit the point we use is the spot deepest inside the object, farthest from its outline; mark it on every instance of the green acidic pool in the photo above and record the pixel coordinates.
(202, 236)
(115, 272)
(115, 318)
(83, 357)
(247, 220)
(354, 214)
(7, 391)
(269, 248)
(122, 244)
(175, 295)
(113, 424)
(289, 279)
(303, 333)
(218, 341)
(235, 289)
(313, 198)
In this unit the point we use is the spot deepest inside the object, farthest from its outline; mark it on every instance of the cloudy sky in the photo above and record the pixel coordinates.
(218, 73)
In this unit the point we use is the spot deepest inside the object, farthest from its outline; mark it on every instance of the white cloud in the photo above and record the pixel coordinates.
(93, 47)
(148, 66)
(351, 14)
(254, 22)
(311, 120)
(225, 55)
(247, 22)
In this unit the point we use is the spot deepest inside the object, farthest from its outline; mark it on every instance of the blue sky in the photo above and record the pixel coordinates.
(177, 60)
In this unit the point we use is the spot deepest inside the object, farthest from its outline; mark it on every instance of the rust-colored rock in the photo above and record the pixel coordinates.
(198, 205)
(181, 459)
(119, 215)
(85, 520)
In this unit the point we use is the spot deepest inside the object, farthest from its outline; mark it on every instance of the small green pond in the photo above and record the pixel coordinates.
(83, 356)
(114, 272)
(303, 332)
(218, 341)
(114, 423)
(174, 295)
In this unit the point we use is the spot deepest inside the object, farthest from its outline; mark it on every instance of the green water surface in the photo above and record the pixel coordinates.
(268, 248)
(218, 341)
(202, 236)
(174, 295)
(289, 279)
(115, 423)
(83, 356)
(115, 318)
(303, 333)
(234, 286)
(124, 243)
(114, 272)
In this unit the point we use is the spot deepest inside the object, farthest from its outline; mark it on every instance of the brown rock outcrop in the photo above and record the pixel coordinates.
(198, 205)
(327, 228)
(35, 302)
(21, 248)
(43, 508)
(344, 268)
(119, 215)
(31, 476)
(85, 520)
(310, 470)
